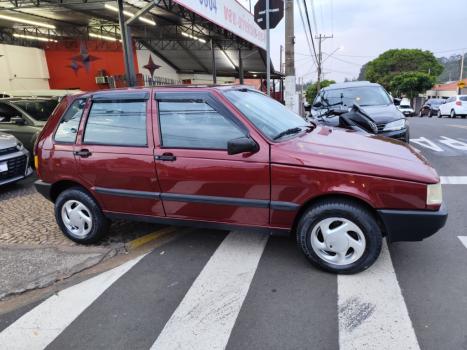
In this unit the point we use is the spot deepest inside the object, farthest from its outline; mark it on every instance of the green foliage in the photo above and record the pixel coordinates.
(396, 63)
(311, 90)
(411, 83)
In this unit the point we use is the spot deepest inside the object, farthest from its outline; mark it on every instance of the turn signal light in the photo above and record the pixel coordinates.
(36, 162)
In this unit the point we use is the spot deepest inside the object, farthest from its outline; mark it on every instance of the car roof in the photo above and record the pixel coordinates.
(203, 87)
(350, 84)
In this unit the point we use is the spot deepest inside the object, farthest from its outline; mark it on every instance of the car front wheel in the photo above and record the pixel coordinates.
(339, 236)
(80, 217)
(439, 114)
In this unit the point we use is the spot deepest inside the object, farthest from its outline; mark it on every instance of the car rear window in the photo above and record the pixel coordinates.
(117, 123)
(38, 109)
(69, 124)
(463, 98)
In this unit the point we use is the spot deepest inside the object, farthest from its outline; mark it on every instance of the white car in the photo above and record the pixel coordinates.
(454, 106)
(405, 108)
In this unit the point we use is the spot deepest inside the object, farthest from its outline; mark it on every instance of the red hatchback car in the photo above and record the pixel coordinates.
(230, 157)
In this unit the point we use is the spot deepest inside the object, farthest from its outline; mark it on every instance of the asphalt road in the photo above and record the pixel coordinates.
(213, 290)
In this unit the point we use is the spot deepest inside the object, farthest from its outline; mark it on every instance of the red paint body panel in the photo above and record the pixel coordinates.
(386, 174)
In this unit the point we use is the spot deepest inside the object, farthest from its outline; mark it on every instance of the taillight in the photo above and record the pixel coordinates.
(458, 103)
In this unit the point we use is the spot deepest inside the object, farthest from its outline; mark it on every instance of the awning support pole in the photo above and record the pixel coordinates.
(240, 66)
(213, 53)
(127, 46)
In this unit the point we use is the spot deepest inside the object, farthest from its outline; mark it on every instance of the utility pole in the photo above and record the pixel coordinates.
(319, 67)
(281, 68)
(290, 88)
(461, 75)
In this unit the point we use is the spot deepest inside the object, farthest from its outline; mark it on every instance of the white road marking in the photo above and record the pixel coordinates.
(453, 180)
(39, 327)
(372, 310)
(463, 239)
(456, 144)
(205, 317)
(424, 142)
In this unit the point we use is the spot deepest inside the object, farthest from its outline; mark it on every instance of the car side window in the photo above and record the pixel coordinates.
(117, 123)
(195, 124)
(69, 124)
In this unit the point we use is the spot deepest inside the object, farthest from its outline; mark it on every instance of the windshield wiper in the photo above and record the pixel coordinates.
(295, 130)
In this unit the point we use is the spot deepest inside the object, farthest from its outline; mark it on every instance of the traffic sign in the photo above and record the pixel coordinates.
(276, 12)
(461, 84)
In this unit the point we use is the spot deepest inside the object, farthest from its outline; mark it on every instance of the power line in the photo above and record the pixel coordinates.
(313, 11)
(311, 32)
(304, 28)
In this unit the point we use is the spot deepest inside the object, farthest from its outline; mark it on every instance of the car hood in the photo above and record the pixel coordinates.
(7, 141)
(349, 151)
(384, 113)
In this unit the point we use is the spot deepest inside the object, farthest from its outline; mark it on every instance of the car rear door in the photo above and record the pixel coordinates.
(115, 153)
(198, 179)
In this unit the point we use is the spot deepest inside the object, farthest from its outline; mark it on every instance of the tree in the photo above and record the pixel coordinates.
(411, 83)
(392, 63)
(311, 90)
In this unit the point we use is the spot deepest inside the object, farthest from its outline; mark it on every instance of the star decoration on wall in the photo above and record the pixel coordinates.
(83, 57)
(151, 66)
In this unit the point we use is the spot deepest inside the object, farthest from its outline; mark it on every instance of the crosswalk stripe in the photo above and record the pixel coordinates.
(205, 317)
(40, 326)
(463, 239)
(372, 310)
(454, 180)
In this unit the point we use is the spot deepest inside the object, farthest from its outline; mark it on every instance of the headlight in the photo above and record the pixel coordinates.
(395, 125)
(434, 194)
(19, 146)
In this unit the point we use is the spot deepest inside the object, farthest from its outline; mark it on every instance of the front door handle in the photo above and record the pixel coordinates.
(84, 153)
(167, 157)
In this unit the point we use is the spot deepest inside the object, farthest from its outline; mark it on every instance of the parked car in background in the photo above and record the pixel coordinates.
(46, 93)
(14, 160)
(453, 107)
(25, 117)
(175, 155)
(374, 100)
(430, 107)
(405, 108)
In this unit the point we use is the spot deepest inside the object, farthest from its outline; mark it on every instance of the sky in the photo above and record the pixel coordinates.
(363, 29)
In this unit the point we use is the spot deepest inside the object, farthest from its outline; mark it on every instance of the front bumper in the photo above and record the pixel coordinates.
(18, 167)
(402, 135)
(412, 225)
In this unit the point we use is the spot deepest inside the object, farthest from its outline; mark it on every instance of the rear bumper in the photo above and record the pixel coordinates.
(412, 225)
(43, 188)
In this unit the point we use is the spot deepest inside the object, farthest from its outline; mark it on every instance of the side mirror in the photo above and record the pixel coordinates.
(18, 120)
(397, 101)
(241, 145)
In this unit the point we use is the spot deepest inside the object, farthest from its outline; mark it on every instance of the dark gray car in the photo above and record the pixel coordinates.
(25, 117)
(14, 160)
(372, 98)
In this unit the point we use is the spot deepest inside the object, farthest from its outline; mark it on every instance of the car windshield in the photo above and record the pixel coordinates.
(269, 116)
(40, 110)
(363, 96)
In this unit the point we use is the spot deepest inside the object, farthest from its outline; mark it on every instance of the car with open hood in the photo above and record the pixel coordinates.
(374, 100)
(228, 158)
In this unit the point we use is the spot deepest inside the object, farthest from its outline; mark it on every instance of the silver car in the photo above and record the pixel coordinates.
(14, 160)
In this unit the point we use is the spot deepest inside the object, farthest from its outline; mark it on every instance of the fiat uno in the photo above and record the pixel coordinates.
(229, 157)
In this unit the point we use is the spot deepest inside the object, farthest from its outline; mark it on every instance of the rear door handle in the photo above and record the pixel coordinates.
(84, 153)
(166, 157)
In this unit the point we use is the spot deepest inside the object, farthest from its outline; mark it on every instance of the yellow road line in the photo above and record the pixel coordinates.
(138, 242)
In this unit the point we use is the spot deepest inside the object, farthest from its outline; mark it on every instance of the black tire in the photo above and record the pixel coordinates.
(100, 224)
(351, 211)
(439, 114)
(452, 114)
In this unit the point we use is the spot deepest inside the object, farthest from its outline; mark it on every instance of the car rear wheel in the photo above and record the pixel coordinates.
(453, 114)
(339, 236)
(439, 114)
(80, 217)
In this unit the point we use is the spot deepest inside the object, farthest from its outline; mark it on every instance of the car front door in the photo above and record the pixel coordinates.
(199, 180)
(115, 153)
(13, 122)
